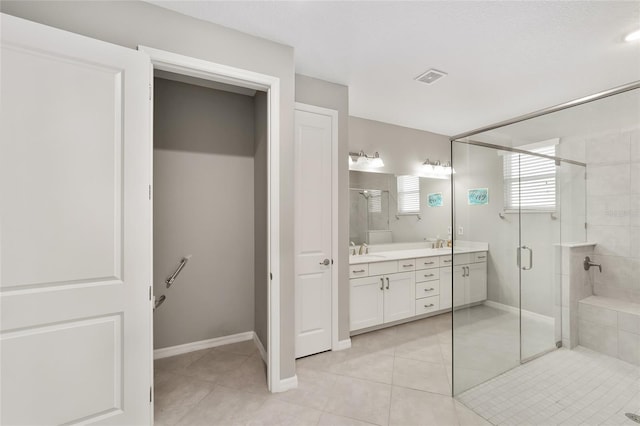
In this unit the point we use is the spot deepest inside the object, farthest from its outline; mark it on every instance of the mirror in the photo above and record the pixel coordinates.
(375, 215)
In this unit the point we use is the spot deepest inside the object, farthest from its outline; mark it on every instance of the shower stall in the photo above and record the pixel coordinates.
(544, 191)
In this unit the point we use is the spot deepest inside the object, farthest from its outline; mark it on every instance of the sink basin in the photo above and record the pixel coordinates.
(366, 257)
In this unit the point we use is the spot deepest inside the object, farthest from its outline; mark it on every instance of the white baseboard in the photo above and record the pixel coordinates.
(286, 384)
(202, 344)
(261, 349)
(514, 310)
(342, 345)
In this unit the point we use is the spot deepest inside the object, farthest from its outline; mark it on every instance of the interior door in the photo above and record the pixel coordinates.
(313, 208)
(75, 216)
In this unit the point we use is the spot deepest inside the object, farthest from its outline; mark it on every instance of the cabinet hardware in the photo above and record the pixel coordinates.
(447, 261)
(387, 283)
(429, 263)
(428, 275)
(429, 305)
(381, 283)
(358, 271)
(429, 289)
(481, 257)
(407, 266)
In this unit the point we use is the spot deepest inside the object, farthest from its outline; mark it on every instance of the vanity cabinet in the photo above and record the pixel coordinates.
(382, 298)
(470, 284)
(388, 291)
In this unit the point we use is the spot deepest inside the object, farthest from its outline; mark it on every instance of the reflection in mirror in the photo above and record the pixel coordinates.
(375, 215)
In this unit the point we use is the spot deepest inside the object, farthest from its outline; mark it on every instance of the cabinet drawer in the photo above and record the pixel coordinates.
(361, 270)
(380, 268)
(446, 260)
(406, 265)
(427, 262)
(480, 257)
(427, 289)
(463, 258)
(427, 275)
(427, 304)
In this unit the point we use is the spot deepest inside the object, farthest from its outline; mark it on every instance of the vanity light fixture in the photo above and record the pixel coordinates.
(436, 169)
(633, 36)
(359, 159)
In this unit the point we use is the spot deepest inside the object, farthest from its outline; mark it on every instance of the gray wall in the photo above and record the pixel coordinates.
(261, 207)
(203, 206)
(403, 150)
(335, 96)
(136, 23)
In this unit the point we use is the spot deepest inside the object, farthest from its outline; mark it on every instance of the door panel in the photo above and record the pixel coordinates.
(313, 141)
(75, 246)
(366, 302)
(399, 296)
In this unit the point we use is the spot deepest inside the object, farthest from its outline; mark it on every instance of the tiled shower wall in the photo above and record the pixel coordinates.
(613, 212)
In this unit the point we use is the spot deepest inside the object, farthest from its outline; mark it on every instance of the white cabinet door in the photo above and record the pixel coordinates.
(75, 169)
(445, 288)
(477, 282)
(399, 296)
(366, 302)
(313, 262)
(460, 286)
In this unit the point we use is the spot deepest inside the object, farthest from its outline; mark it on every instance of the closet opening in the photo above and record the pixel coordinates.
(216, 221)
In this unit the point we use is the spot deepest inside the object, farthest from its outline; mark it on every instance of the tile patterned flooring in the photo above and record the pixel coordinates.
(565, 387)
(396, 376)
(402, 376)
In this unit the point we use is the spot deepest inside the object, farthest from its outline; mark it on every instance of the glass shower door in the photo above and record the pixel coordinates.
(537, 202)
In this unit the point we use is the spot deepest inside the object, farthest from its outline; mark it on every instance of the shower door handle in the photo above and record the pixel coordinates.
(530, 258)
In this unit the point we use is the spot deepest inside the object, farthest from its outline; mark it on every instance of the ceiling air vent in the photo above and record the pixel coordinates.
(430, 76)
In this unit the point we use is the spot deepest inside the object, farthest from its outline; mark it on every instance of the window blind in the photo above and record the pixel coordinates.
(408, 194)
(375, 201)
(530, 181)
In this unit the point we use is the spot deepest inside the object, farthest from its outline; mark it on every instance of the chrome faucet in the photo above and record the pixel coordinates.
(353, 251)
(364, 247)
(439, 243)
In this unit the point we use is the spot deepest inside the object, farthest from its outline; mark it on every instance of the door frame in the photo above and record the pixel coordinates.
(333, 114)
(193, 67)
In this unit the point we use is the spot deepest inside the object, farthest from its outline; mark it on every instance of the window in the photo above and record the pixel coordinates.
(408, 194)
(375, 201)
(530, 181)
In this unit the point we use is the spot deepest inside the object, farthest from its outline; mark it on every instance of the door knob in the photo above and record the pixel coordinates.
(325, 262)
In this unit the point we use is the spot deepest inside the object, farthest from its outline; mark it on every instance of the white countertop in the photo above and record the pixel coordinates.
(384, 256)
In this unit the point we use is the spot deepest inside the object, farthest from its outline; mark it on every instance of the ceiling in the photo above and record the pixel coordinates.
(503, 58)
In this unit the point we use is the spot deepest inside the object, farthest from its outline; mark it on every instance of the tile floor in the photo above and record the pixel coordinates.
(565, 387)
(487, 343)
(396, 376)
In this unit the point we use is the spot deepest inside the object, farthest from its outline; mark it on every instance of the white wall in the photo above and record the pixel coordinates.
(613, 208)
(133, 23)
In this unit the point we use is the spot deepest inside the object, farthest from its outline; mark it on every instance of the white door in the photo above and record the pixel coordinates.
(477, 282)
(366, 302)
(399, 296)
(76, 220)
(313, 260)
